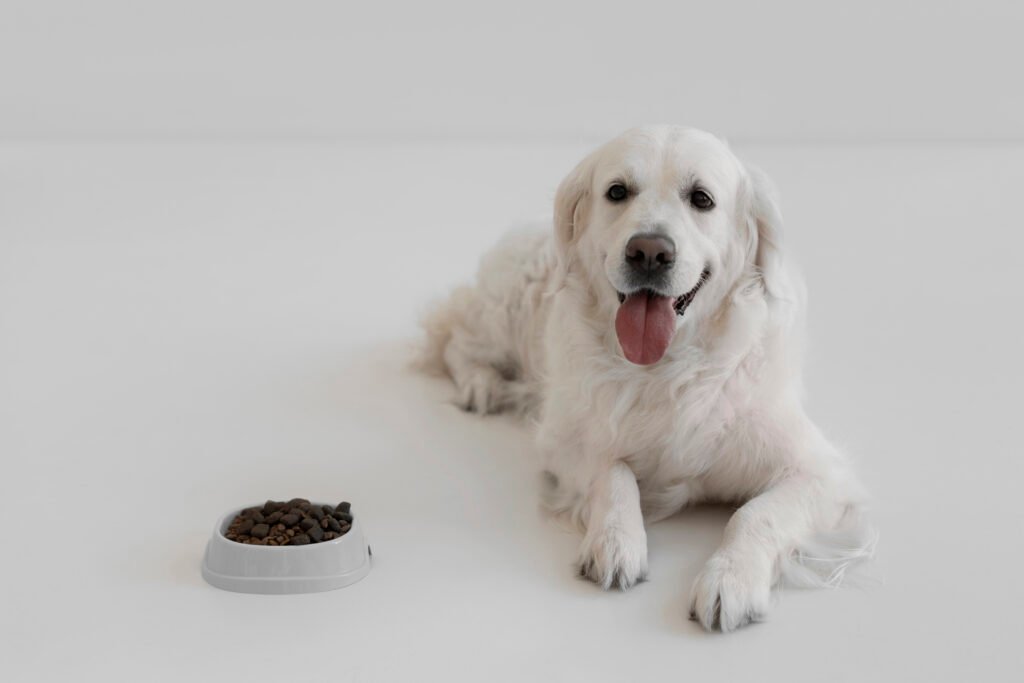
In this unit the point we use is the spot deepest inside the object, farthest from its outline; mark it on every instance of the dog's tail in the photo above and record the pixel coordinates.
(834, 557)
(438, 323)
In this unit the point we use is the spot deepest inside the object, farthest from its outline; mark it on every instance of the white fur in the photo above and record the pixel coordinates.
(718, 418)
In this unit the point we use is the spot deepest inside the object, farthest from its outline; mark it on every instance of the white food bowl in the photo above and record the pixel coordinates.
(285, 569)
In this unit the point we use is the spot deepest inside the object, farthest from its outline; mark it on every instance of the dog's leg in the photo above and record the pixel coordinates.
(735, 586)
(481, 386)
(614, 549)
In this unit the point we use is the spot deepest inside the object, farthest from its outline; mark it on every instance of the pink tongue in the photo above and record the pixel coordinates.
(645, 324)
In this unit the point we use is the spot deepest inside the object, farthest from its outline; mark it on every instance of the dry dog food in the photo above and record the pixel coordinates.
(297, 522)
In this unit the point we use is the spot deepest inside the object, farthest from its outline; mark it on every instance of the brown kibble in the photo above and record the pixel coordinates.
(274, 517)
(296, 522)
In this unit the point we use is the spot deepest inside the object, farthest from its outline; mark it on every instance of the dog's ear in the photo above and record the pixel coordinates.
(765, 221)
(571, 208)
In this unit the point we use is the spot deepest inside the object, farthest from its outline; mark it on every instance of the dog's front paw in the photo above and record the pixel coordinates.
(731, 591)
(614, 556)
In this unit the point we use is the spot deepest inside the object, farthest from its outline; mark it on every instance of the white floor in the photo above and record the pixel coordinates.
(187, 328)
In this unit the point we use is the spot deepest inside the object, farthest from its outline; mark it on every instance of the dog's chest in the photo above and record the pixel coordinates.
(665, 424)
(679, 430)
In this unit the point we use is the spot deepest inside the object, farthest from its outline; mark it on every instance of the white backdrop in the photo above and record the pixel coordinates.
(773, 72)
(188, 326)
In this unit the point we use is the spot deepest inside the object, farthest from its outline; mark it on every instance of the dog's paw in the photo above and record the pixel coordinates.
(482, 391)
(614, 557)
(731, 592)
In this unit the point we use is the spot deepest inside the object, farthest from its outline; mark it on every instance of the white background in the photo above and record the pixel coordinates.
(868, 71)
(195, 314)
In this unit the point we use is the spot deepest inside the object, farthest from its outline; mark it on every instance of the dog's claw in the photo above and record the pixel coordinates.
(731, 592)
(614, 561)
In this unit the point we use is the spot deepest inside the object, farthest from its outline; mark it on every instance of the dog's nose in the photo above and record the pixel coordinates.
(648, 253)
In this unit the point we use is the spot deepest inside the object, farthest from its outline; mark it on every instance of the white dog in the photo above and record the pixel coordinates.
(654, 334)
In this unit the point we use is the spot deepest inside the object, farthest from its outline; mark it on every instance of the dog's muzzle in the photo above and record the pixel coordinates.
(645, 322)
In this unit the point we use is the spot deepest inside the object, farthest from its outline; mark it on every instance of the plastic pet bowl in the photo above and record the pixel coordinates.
(285, 569)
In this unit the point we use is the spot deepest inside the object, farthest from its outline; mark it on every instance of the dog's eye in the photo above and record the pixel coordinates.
(699, 199)
(617, 192)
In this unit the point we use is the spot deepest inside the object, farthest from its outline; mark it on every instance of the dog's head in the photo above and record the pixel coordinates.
(661, 223)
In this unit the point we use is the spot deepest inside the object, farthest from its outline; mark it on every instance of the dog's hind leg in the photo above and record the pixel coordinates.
(476, 337)
(459, 344)
(485, 382)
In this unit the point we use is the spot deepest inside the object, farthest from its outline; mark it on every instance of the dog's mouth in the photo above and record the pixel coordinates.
(645, 322)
